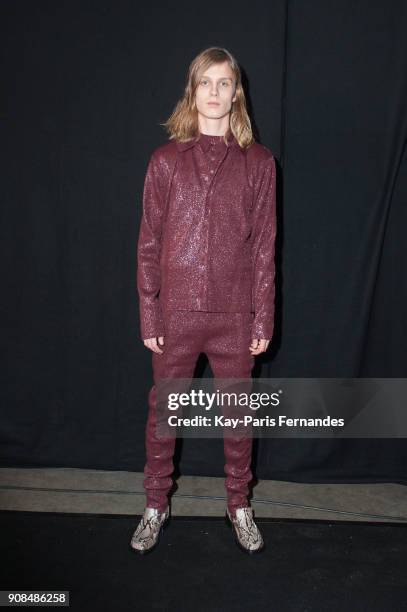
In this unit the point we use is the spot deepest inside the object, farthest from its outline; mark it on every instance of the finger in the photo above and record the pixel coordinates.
(159, 344)
(261, 346)
(254, 344)
(151, 343)
(156, 347)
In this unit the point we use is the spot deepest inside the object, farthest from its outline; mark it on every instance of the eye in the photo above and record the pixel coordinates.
(204, 81)
(225, 83)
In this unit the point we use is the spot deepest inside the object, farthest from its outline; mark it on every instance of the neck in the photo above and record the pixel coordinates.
(213, 127)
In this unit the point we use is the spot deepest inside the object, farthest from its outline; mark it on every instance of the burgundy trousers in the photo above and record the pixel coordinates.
(225, 339)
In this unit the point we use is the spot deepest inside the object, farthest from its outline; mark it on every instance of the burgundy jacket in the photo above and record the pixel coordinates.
(207, 232)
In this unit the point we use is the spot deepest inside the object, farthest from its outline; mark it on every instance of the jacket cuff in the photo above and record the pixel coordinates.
(263, 327)
(151, 321)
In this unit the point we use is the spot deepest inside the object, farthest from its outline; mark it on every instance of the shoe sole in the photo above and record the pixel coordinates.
(164, 525)
(245, 550)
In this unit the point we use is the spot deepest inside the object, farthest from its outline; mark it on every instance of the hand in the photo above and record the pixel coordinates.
(259, 345)
(152, 344)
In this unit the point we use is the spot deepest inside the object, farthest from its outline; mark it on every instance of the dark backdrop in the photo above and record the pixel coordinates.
(86, 86)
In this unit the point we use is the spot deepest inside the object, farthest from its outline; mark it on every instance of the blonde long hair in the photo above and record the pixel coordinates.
(183, 124)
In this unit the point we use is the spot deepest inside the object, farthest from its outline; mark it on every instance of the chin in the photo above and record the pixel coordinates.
(210, 115)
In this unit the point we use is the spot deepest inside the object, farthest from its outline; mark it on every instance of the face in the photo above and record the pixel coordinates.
(215, 91)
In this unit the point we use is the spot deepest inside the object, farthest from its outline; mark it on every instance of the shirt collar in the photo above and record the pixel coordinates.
(182, 146)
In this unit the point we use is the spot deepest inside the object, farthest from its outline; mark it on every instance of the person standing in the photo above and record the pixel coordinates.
(205, 273)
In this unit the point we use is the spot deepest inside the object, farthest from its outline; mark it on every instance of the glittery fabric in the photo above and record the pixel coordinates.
(225, 339)
(207, 232)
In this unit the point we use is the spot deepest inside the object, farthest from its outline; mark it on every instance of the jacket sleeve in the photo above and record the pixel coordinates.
(264, 229)
(148, 252)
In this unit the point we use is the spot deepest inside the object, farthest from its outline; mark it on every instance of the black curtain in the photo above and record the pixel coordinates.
(85, 86)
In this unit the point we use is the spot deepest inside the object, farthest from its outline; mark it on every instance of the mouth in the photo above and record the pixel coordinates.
(213, 103)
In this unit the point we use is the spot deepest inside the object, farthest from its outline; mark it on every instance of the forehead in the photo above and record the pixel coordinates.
(222, 70)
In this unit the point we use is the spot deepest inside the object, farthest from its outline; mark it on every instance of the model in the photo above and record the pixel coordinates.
(205, 274)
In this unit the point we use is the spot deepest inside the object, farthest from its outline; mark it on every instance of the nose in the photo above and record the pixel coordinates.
(214, 90)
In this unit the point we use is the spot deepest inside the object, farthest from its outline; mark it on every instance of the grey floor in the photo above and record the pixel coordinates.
(111, 492)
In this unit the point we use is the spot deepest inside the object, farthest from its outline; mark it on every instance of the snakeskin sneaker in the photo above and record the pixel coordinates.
(246, 532)
(148, 532)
